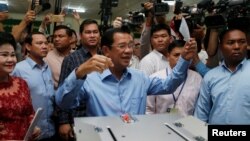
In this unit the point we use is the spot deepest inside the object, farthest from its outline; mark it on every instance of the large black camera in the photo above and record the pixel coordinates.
(159, 8)
(230, 13)
(136, 19)
(194, 15)
(42, 6)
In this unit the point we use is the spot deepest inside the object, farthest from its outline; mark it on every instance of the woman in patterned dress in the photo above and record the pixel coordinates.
(16, 111)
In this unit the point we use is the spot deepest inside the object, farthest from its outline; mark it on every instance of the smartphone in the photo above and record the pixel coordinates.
(56, 18)
(69, 11)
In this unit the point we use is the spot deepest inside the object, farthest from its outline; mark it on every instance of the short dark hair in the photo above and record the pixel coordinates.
(28, 39)
(159, 27)
(87, 22)
(225, 31)
(7, 38)
(66, 28)
(176, 43)
(108, 36)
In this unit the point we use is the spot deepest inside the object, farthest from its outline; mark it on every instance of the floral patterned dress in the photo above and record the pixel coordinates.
(16, 111)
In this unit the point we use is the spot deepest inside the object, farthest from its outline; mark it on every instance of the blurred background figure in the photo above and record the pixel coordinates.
(135, 59)
(4, 12)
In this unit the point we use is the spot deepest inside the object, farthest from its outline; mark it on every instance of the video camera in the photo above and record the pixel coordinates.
(159, 8)
(195, 14)
(42, 6)
(135, 20)
(230, 13)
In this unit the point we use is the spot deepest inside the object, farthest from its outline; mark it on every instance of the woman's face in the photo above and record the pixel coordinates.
(7, 59)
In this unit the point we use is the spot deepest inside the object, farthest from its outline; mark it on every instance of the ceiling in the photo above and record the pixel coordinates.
(92, 7)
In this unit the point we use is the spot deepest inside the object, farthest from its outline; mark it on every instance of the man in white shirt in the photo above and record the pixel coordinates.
(160, 38)
(184, 98)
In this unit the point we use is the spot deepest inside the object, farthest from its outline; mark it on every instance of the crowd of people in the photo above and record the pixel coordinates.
(114, 74)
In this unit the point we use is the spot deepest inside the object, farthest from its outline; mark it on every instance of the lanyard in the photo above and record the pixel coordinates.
(176, 98)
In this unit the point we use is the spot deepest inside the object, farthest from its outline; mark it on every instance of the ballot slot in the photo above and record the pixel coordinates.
(111, 133)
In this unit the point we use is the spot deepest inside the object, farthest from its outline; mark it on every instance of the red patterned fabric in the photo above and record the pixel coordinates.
(16, 111)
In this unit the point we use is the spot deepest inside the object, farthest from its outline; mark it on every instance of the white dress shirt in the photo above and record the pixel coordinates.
(185, 101)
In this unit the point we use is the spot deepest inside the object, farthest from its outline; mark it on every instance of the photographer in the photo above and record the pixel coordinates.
(150, 20)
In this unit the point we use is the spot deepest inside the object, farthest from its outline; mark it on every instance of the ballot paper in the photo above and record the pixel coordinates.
(33, 124)
(184, 30)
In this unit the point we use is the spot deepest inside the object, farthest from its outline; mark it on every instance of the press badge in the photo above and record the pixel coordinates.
(172, 110)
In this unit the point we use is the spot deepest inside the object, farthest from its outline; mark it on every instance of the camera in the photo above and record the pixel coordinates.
(195, 14)
(231, 13)
(159, 8)
(41, 6)
(134, 22)
(68, 11)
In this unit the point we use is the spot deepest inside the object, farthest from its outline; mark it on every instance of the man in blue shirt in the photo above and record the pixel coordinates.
(224, 94)
(111, 88)
(39, 78)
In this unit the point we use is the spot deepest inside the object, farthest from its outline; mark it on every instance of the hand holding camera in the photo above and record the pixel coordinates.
(30, 16)
(117, 23)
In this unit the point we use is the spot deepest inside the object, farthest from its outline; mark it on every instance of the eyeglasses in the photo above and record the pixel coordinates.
(137, 46)
(124, 45)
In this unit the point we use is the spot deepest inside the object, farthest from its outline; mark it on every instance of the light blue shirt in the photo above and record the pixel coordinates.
(107, 96)
(201, 68)
(225, 95)
(41, 87)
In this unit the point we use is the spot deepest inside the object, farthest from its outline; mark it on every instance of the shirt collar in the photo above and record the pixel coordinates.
(159, 54)
(108, 75)
(85, 50)
(33, 64)
(239, 66)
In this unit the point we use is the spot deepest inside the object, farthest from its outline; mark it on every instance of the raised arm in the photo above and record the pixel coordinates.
(68, 93)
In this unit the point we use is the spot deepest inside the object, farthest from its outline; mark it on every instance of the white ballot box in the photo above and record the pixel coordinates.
(157, 127)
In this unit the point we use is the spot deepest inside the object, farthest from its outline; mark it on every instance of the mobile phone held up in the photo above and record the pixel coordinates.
(56, 18)
(68, 10)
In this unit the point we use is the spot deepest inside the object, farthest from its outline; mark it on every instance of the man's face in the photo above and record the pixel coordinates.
(160, 40)
(39, 47)
(61, 39)
(137, 48)
(121, 50)
(90, 36)
(234, 46)
(174, 55)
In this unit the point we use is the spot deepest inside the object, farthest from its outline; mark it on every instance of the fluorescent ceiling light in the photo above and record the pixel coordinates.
(169, 2)
(4, 2)
(78, 9)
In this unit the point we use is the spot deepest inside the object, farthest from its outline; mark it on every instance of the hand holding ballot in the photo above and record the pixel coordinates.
(96, 63)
